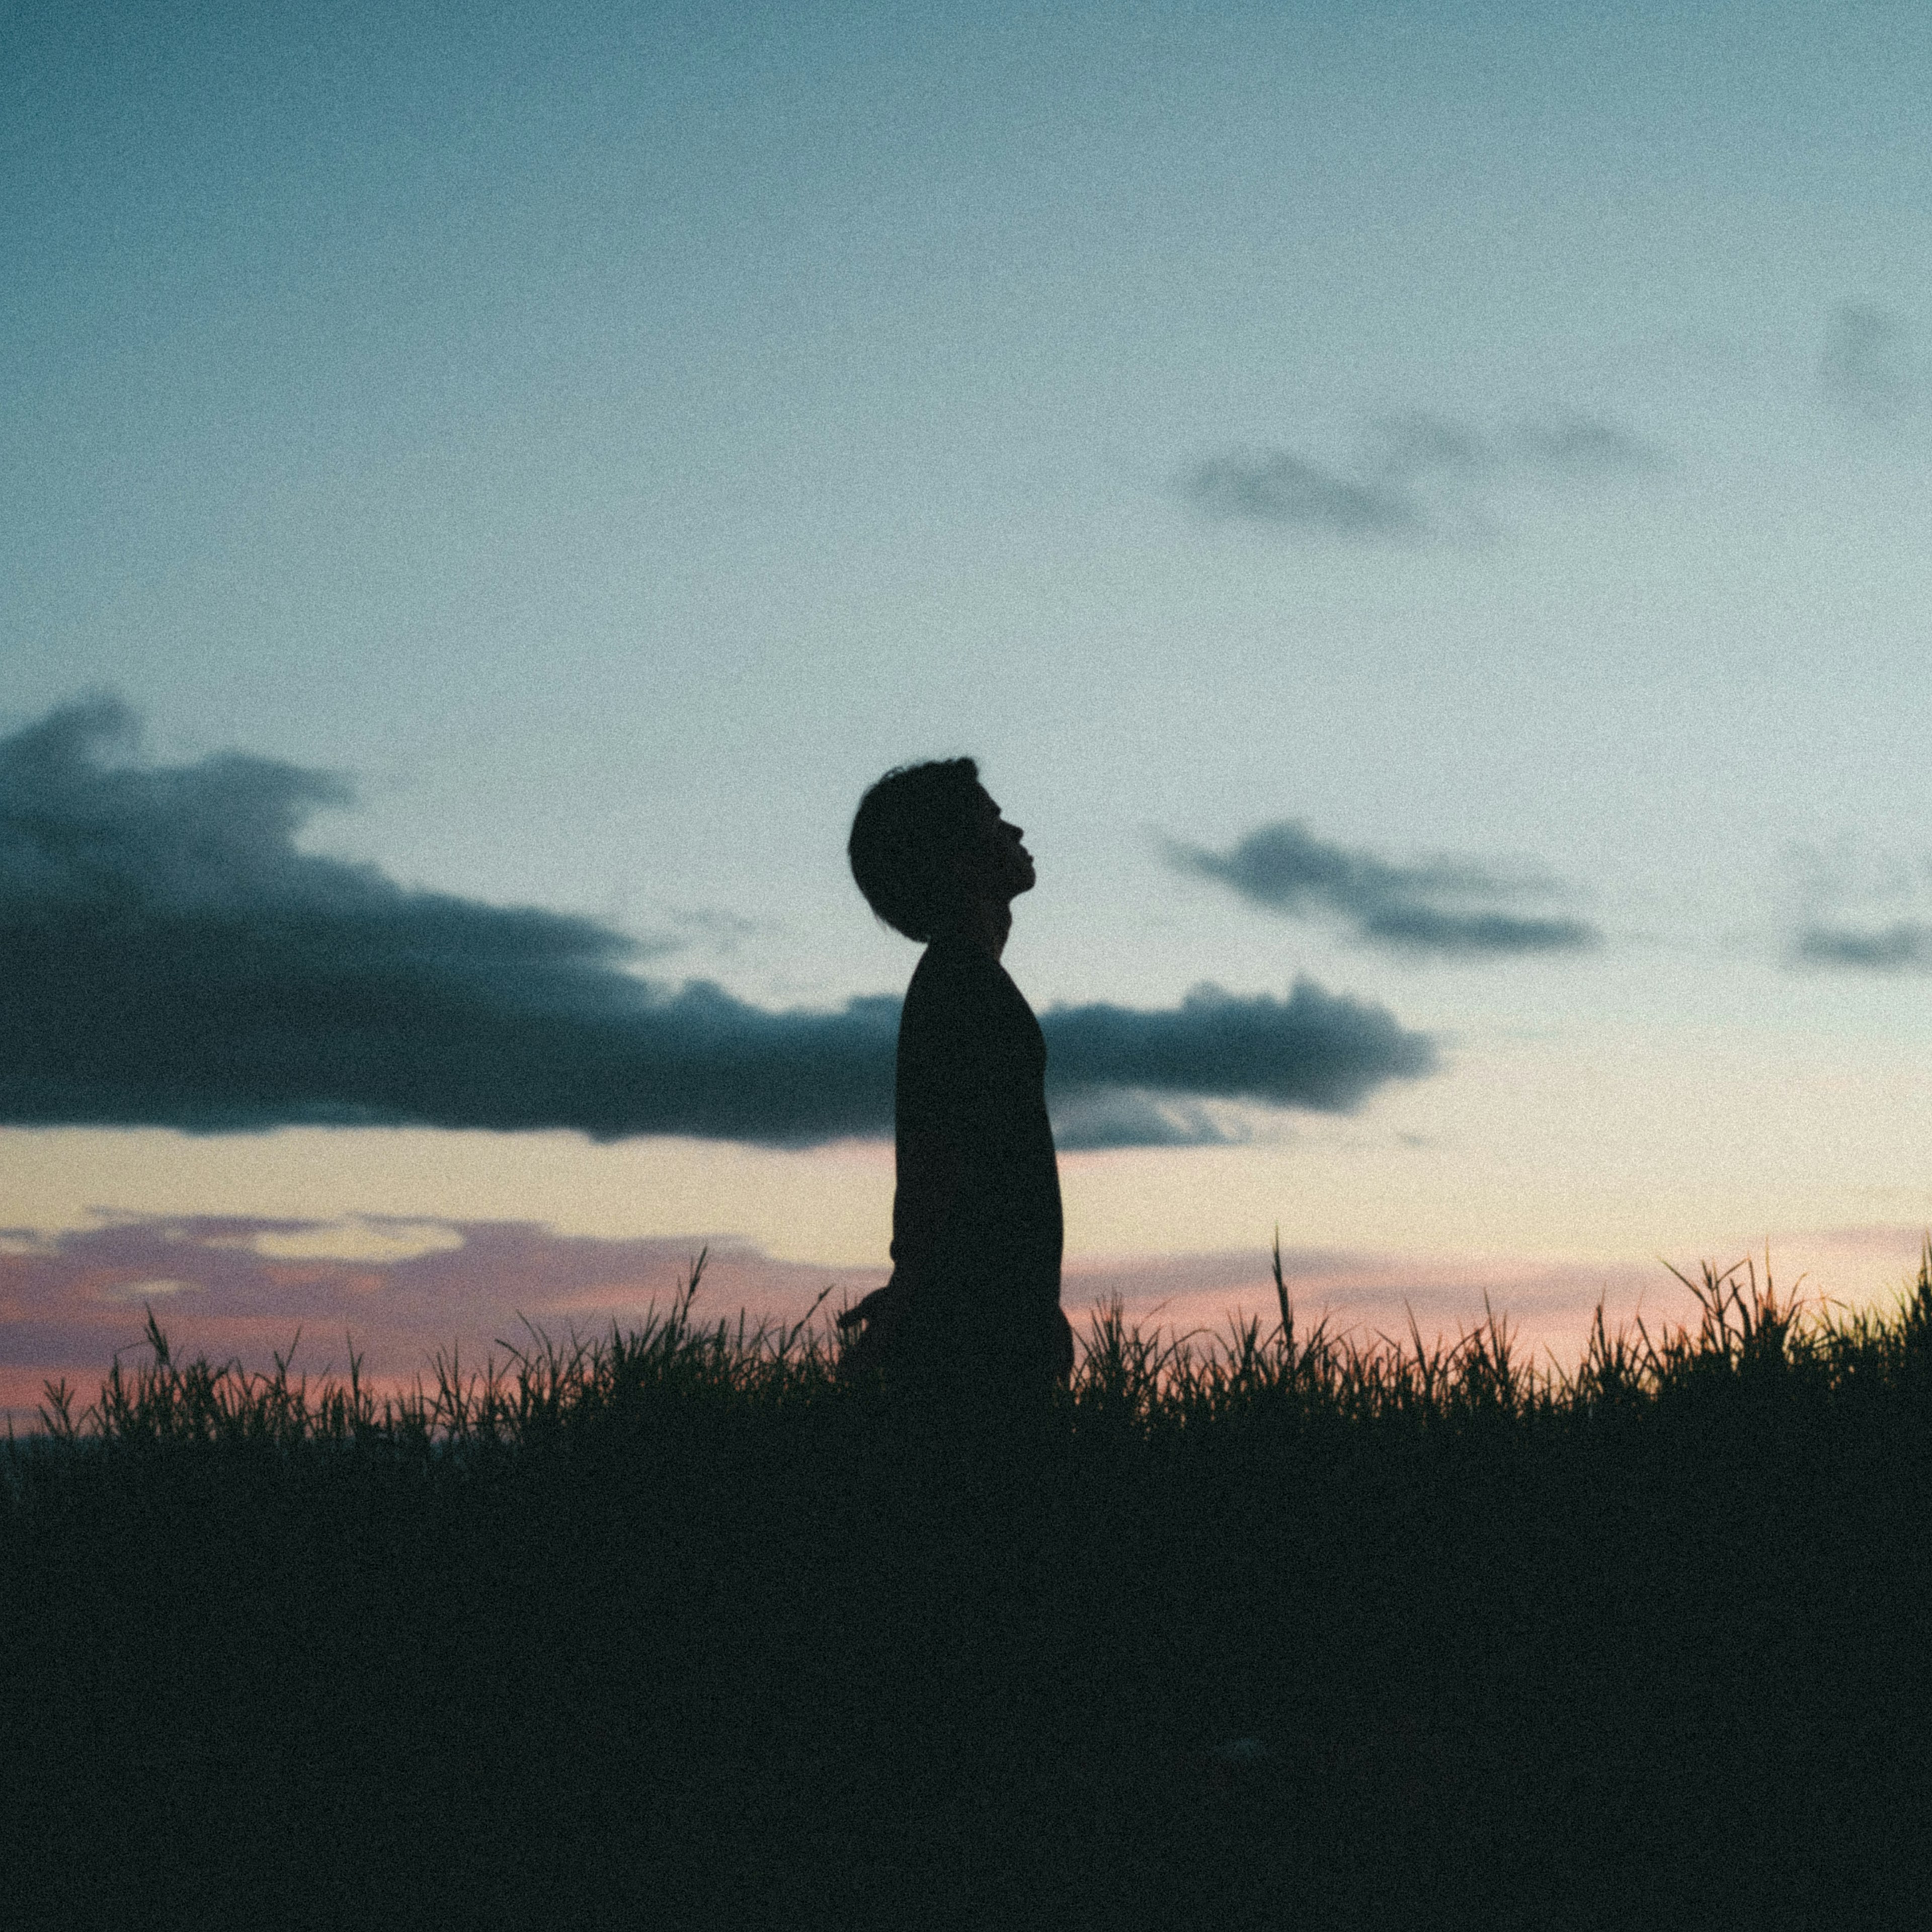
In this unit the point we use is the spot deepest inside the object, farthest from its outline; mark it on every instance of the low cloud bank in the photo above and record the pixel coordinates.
(169, 957)
(1415, 475)
(1437, 906)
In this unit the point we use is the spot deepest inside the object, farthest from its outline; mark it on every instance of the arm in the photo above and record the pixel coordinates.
(946, 1118)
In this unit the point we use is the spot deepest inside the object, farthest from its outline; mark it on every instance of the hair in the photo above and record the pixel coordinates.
(908, 835)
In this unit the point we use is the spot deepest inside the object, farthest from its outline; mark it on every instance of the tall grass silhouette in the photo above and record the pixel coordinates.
(1159, 1387)
(688, 1624)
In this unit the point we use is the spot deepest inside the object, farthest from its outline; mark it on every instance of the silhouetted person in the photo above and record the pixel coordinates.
(974, 1297)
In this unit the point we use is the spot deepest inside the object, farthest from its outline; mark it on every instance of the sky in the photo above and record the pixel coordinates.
(1419, 510)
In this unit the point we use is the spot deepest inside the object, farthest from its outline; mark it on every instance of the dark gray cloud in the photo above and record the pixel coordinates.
(1904, 947)
(1414, 475)
(168, 957)
(1314, 1049)
(1446, 906)
(1870, 368)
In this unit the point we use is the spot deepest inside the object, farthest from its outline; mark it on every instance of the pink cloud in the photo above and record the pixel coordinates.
(69, 1301)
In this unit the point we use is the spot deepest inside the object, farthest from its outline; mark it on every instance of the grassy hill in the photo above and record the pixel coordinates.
(675, 1628)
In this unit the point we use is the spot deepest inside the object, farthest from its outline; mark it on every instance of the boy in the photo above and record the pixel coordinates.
(976, 1231)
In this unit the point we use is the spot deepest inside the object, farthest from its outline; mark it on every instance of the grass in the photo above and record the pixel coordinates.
(1276, 1628)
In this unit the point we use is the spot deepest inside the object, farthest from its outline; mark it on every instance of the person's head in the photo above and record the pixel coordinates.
(929, 849)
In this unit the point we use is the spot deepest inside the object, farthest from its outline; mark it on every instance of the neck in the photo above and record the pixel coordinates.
(985, 924)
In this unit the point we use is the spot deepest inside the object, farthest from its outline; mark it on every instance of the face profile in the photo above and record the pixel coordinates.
(997, 867)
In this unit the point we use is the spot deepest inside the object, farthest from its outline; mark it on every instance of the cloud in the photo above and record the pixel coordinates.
(1415, 475)
(1584, 446)
(1861, 908)
(1869, 369)
(1905, 947)
(243, 1288)
(172, 959)
(1314, 1049)
(1274, 486)
(169, 957)
(1436, 907)
(718, 931)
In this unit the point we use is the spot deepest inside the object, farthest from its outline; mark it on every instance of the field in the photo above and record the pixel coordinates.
(675, 1628)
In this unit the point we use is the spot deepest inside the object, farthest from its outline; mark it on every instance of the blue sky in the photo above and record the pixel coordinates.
(1493, 441)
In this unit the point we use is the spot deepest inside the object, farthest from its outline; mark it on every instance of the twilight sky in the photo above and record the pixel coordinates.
(1420, 511)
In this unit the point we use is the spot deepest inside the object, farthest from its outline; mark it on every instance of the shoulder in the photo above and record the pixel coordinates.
(960, 1008)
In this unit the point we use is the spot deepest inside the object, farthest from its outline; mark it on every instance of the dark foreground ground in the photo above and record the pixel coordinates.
(1657, 1653)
